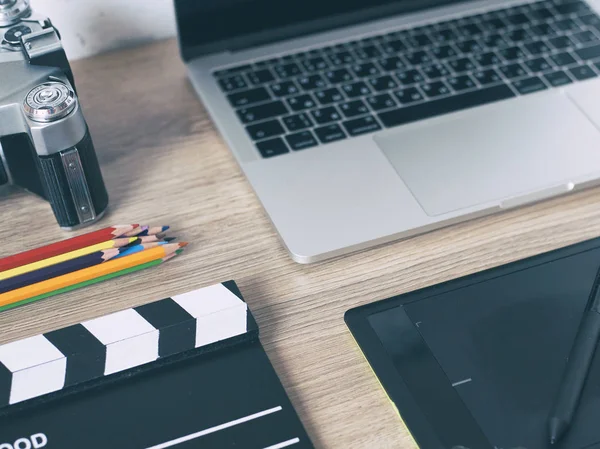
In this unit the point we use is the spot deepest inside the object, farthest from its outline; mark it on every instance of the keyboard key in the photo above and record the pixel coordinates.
(367, 52)
(443, 52)
(571, 8)
(301, 102)
(273, 147)
(585, 37)
(353, 108)
(589, 53)
(264, 130)
(417, 40)
(287, 70)
(341, 58)
(328, 96)
(536, 48)
(493, 24)
(326, 115)
(392, 64)
(357, 89)
(365, 69)
(393, 47)
(311, 82)
(338, 76)
(410, 77)
(247, 97)
(486, 77)
(330, 133)
(454, 103)
(435, 89)
(232, 83)
(561, 42)
(262, 112)
(565, 25)
(493, 41)
(417, 57)
(542, 30)
(487, 59)
(260, 76)
(592, 20)
(361, 125)
(563, 59)
(469, 30)
(517, 19)
(382, 83)
(540, 13)
(529, 85)
(582, 72)
(301, 140)
(558, 78)
(460, 83)
(284, 89)
(517, 36)
(468, 47)
(435, 71)
(409, 95)
(297, 122)
(462, 65)
(512, 53)
(513, 71)
(315, 64)
(232, 70)
(443, 35)
(538, 65)
(380, 102)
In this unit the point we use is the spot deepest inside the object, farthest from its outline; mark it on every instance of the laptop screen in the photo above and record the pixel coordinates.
(207, 23)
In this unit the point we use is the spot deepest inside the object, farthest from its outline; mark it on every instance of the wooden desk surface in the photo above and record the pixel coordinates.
(164, 163)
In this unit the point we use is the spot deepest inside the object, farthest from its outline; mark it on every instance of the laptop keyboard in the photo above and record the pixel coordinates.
(302, 100)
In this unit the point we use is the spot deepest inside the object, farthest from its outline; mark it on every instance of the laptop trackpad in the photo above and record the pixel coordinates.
(502, 151)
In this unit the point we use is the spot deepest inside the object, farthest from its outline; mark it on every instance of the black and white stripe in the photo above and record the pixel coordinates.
(47, 363)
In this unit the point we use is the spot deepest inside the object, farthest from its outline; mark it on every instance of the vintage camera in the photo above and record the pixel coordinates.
(45, 144)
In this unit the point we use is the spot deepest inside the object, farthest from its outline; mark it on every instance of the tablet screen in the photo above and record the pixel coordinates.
(501, 344)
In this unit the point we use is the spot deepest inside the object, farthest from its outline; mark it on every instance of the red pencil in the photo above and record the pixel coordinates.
(65, 246)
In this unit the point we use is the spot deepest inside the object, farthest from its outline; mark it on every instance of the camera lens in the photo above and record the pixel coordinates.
(7, 3)
(11, 11)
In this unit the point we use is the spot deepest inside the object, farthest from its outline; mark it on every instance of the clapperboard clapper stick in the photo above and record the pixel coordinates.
(185, 368)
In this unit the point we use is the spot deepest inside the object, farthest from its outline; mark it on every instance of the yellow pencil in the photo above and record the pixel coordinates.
(115, 243)
(86, 274)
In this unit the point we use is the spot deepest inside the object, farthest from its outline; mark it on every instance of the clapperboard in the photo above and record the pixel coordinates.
(183, 372)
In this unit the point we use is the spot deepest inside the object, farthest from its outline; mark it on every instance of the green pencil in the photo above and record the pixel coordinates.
(92, 281)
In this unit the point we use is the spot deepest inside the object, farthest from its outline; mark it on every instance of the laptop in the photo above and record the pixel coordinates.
(360, 122)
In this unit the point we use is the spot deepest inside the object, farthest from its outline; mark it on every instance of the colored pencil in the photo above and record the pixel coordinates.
(137, 248)
(68, 266)
(64, 246)
(136, 231)
(154, 230)
(116, 243)
(87, 274)
(151, 238)
(92, 281)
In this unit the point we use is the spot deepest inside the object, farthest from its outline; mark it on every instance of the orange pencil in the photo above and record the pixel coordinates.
(87, 274)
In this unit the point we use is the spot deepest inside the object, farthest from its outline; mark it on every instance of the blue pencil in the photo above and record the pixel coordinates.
(138, 248)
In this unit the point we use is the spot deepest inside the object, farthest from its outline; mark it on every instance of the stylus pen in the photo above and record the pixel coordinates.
(578, 366)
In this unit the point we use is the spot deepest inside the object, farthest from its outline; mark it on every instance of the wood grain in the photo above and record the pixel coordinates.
(164, 163)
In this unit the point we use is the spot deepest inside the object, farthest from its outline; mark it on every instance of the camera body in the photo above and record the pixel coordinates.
(45, 144)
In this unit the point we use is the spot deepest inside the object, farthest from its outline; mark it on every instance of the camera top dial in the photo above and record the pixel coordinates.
(49, 102)
(11, 11)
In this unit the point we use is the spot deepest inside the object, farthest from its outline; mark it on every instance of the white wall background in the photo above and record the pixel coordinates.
(89, 27)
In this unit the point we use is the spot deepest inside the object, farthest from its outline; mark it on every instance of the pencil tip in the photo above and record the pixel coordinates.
(165, 228)
(169, 239)
(183, 244)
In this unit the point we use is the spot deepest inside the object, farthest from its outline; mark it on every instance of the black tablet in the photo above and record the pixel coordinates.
(476, 362)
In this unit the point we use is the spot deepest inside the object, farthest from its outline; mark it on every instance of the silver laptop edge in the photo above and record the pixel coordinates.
(354, 194)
